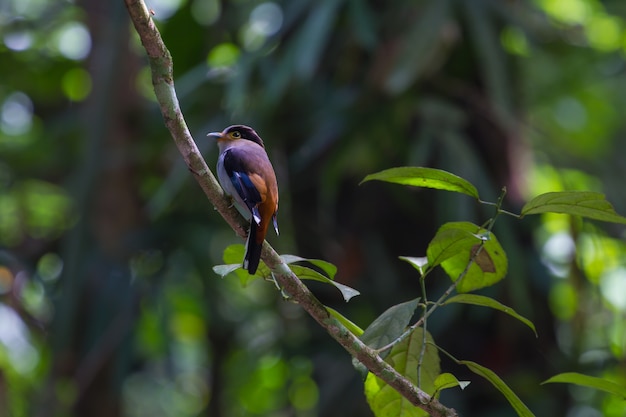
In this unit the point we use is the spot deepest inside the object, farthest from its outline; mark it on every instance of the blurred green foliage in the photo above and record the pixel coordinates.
(108, 304)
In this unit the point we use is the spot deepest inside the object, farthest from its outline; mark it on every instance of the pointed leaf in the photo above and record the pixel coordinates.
(234, 253)
(404, 357)
(481, 300)
(327, 267)
(447, 380)
(579, 203)
(419, 263)
(386, 328)
(501, 386)
(590, 382)
(289, 259)
(307, 273)
(304, 272)
(223, 270)
(425, 177)
(390, 325)
(462, 238)
(356, 330)
(449, 242)
(233, 256)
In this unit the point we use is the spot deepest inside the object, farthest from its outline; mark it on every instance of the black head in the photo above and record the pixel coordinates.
(235, 132)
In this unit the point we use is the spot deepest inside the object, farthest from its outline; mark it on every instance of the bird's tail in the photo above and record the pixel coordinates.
(253, 250)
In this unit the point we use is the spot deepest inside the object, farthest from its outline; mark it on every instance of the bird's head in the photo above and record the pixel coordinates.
(237, 132)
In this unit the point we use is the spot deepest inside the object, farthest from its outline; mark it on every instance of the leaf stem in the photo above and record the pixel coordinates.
(498, 205)
(488, 225)
(423, 348)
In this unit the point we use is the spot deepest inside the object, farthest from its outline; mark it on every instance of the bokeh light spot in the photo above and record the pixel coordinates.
(187, 326)
(613, 288)
(15, 338)
(303, 394)
(570, 114)
(514, 41)
(567, 11)
(223, 55)
(18, 41)
(604, 32)
(164, 9)
(76, 84)
(558, 252)
(49, 267)
(16, 115)
(206, 12)
(6, 280)
(266, 18)
(563, 301)
(74, 41)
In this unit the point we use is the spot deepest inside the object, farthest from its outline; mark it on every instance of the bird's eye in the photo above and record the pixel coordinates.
(236, 135)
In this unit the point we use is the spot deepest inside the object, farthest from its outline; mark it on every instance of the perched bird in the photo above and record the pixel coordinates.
(246, 174)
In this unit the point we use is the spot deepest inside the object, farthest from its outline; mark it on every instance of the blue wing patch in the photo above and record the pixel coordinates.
(243, 184)
(248, 193)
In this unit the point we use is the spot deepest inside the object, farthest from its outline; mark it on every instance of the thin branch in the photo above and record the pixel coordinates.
(434, 305)
(424, 333)
(161, 65)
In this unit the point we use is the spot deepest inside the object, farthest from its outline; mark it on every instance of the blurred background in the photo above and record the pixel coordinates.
(108, 302)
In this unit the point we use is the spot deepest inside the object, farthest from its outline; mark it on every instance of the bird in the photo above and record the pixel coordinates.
(246, 175)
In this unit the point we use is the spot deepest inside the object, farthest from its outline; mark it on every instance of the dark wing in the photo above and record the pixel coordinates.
(238, 173)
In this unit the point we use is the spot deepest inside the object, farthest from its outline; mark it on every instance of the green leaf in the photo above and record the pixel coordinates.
(448, 242)
(447, 380)
(356, 330)
(489, 266)
(590, 382)
(390, 325)
(304, 272)
(481, 300)
(223, 270)
(233, 256)
(501, 386)
(386, 328)
(404, 357)
(327, 267)
(419, 263)
(579, 203)
(425, 177)
(234, 253)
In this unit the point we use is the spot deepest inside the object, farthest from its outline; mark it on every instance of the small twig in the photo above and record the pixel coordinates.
(422, 320)
(161, 65)
(498, 206)
(423, 348)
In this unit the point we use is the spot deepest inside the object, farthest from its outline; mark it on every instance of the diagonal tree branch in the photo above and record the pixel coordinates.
(162, 79)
